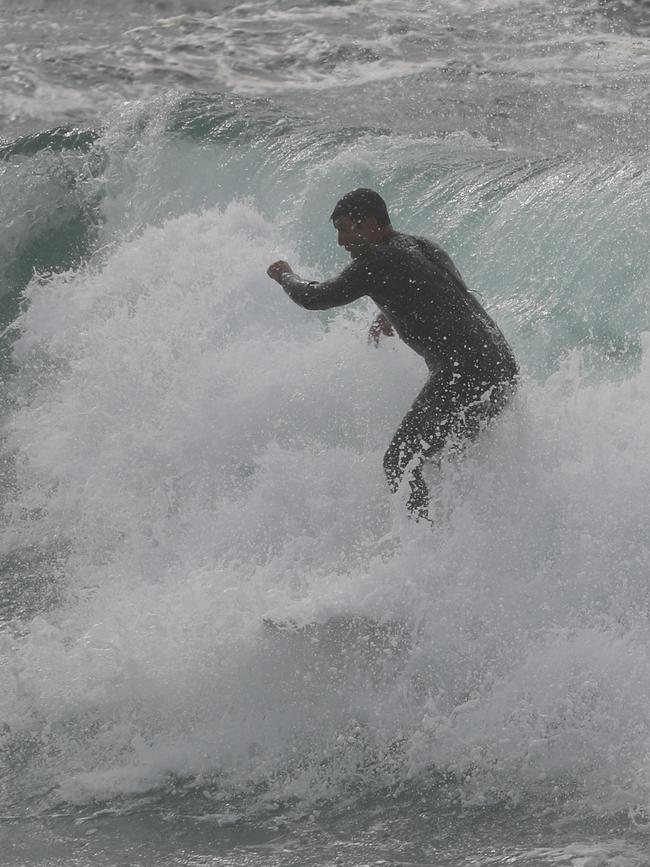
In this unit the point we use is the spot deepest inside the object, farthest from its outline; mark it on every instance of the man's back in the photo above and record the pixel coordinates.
(419, 289)
(431, 308)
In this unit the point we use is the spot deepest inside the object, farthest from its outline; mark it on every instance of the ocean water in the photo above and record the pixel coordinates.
(221, 640)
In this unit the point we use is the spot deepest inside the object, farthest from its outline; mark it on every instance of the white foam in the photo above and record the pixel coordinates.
(211, 453)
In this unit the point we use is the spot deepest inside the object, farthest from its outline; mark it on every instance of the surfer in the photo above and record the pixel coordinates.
(422, 297)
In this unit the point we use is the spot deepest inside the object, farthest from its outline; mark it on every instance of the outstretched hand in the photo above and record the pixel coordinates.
(380, 327)
(277, 269)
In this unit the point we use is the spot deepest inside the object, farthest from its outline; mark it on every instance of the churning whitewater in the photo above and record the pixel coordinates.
(215, 620)
(190, 454)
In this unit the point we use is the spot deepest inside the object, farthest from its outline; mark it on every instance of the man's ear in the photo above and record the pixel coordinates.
(369, 226)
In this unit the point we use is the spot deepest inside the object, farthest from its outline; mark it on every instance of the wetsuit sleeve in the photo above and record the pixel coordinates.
(351, 284)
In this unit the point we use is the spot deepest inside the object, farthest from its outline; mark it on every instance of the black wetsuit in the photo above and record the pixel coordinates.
(473, 371)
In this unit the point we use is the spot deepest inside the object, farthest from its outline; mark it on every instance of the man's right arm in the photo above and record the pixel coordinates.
(381, 327)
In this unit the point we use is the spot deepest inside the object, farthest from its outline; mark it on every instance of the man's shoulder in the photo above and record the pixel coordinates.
(400, 251)
(405, 244)
(416, 243)
(425, 256)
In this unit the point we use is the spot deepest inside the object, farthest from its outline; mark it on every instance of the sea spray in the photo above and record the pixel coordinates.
(208, 455)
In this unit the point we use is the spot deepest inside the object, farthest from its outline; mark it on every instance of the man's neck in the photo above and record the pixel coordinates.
(384, 233)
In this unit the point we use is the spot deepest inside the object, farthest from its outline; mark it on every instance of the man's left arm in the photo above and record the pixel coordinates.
(347, 287)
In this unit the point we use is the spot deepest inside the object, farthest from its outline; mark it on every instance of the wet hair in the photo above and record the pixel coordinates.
(359, 204)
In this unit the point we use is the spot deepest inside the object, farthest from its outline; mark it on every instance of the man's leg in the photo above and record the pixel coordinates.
(421, 434)
(436, 415)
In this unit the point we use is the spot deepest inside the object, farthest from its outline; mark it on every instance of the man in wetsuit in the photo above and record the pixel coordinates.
(421, 296)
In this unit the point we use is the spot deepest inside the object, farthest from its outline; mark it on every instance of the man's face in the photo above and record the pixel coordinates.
(356, 237)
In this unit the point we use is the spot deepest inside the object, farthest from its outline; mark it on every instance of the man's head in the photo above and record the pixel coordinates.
(361, 221)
